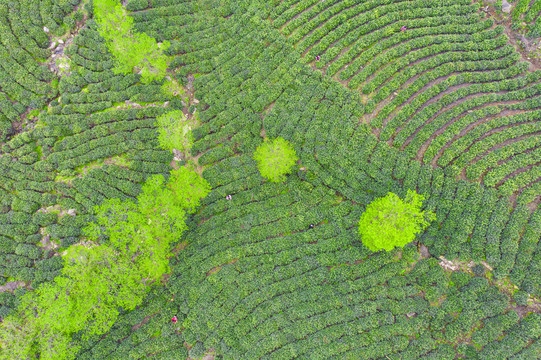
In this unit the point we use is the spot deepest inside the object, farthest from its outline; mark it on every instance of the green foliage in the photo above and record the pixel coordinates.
(126, 249)
(275, 159)
(175, 132)
(390, 222)
(131, 50)
(439, 92)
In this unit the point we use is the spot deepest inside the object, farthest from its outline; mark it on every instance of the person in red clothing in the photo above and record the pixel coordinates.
(174, 319)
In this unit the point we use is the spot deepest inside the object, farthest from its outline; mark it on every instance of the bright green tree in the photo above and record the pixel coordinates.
(125, 250)
(275, 158)
(390, 222)
(175, 131)
(130, 49)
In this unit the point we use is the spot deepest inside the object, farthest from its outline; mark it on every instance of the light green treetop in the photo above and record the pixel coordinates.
(125, 249)
(175, 131)
(275, 158)
(390, 222)
(129, 48)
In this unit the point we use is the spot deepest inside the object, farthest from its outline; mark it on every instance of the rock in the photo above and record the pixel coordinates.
(60, 41)
(177, 155)
(46, 29)
(71, 212)
(11, 285)
(506, 7)
(166, 104)
(411, 314)
(424, 252)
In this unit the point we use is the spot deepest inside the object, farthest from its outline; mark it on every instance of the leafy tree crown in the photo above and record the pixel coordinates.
(125, 249)
(130, 49)
(174, 131)
(275, 158)
(390, 222)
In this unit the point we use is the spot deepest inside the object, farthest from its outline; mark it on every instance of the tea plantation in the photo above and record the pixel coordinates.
(375, 96)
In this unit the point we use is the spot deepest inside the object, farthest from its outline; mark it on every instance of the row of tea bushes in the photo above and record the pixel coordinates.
(432, 73)
(86, 147)
(528, 12)
(26, 83)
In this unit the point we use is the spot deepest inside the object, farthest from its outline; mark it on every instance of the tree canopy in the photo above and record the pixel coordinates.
(275, 159)
(175, 131)
(390, 222)
(124, 251)
(130, 49)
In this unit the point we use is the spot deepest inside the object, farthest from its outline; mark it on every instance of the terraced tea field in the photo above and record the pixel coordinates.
(375, 96)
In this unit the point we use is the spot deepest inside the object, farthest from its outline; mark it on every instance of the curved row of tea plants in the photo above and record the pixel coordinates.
(26, 29)
(432, 73)
(95, 142)
(257, 281)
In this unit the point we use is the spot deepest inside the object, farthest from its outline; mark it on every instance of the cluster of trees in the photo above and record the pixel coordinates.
(130, 49)
(69, 137)
(123, 252)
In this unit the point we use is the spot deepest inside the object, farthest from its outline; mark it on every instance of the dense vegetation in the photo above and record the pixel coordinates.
(391, 222)
(527, 15)
(374, 97)
(124, 251)
(275, 159)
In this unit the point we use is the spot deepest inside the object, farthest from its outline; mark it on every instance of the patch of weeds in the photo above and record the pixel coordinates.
(32, 114)
(173, 88)
(39, 150)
